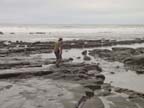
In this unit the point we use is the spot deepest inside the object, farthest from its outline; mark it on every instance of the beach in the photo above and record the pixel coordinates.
(102, 65)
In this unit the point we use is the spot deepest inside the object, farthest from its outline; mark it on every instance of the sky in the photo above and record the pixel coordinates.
(72, 11)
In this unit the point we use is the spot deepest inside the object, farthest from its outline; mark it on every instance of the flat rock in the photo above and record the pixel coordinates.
(93, 102)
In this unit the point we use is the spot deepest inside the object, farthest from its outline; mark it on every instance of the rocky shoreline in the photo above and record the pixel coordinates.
(91, 79)
(9, 47)
(17, 65)
(132, 57)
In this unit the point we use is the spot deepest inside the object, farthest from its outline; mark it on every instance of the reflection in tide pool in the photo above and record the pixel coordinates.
(129, 80)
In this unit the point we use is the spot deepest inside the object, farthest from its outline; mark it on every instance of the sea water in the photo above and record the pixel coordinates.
(70, 32)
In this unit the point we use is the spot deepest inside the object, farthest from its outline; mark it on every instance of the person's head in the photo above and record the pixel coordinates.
(60, 39)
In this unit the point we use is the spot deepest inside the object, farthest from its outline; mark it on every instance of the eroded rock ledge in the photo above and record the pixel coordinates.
(133, 58)
(9, 47)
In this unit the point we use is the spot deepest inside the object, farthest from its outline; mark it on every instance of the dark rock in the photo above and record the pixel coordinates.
(83, 76)
(65, 71)
(93, 67)
(40, 33)
(133, 96)
(84, 53)
(31, 33)
(12, 33)
(140, 71)
(98, 67)
(78, 57)
(76, 71)
(101, 53)
(112, 72)
(71, 59)
(100, 76)
(137, 59)
(83, 71)
(93, 86)
(99, 81)
(8, 86)
(1, 33)
(119, 90)
(106, 87)
(87, 58)
(117, 67)
(131, 50)
(140, 50)
(89, 93)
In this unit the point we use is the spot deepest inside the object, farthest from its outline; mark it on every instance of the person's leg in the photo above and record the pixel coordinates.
(57, 58)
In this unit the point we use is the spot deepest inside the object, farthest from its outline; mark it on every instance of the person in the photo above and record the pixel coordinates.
(58, 51)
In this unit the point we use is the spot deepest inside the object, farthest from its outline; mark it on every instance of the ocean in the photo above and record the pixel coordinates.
(33, 33)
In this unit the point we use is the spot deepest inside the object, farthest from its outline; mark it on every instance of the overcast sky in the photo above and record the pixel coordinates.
(72, 11)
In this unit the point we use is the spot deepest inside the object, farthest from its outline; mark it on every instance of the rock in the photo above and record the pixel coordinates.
(84, 53)
(133, 96)
(106, 87)
(65, 71)
(100, 52)
(99, 81)
(71, 59)
(1, 33)
(78, 57)
(40, 33)
(122, 102)
(135, 63)
(104, 93)
(140, 71)
(12, 73)
(83, 71)
(93, 86)
(100, 76)
(139, 101)
(125, 49)
(117, 67)
(31, 33)
(83, 76)
(8, 86)
(136, 59)
(140, 50)
(93, 102)
(93, 67)
(112, 72)
(98, 67)
(91, 73)
(87, 58)
(12, 33)
(117, 89)
(89, 93)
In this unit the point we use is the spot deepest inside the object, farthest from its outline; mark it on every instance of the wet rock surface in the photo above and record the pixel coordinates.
(35, 82)
(9, 47)
(132, 58)
(35, 93)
